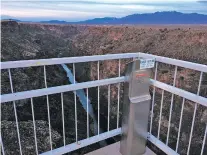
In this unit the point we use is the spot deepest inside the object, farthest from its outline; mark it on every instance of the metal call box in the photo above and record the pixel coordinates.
(136, 107)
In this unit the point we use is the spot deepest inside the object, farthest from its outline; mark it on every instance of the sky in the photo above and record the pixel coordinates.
(77, 10)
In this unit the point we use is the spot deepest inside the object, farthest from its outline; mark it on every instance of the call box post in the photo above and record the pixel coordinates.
(136, 107)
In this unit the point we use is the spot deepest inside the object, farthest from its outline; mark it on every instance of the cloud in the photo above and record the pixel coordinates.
(86, 9)
(203, 2)
(111, 2)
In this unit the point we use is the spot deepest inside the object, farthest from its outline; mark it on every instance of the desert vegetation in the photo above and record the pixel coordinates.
(25, 41)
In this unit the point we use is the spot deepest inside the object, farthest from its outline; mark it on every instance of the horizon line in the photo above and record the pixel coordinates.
(18, 18)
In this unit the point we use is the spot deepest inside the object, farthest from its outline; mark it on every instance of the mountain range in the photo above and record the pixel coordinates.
(166, 17)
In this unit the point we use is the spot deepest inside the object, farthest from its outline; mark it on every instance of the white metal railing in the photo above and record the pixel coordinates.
(14, 96)
(61, 89)
(176, 91)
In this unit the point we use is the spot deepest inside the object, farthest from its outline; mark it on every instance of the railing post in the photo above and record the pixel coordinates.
(136, 107)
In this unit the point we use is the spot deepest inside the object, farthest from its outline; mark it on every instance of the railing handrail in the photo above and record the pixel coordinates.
(176, 62)
(54, 61)
(64, 60)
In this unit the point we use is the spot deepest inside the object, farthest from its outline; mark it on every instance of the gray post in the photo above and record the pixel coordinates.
(136, 107)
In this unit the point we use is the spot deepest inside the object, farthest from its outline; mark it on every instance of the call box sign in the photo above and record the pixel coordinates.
(147, 63)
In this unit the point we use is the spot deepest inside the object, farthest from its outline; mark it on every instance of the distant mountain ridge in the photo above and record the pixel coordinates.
(153, 18)
(55, 21)
(166, 17)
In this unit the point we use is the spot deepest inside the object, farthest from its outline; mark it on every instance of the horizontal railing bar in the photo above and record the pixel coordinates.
(190, 96)
(83, 143)
(103, 136)
(180, 63)
(59, 89)
(161, 145)
(53, 61)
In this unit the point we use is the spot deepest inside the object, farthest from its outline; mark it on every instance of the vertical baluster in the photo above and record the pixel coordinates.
(1, 146)
(87, 114)
(63, 118)
(204, 140)
(194, 114)
(158, 135)
(118, 95)
(109, 96)
(76, 123)
(1, 142)
(15, 113)
(34, 126)
(180, 124)
(171, 106)
(98, 100)
(153, 98)
(48, 108)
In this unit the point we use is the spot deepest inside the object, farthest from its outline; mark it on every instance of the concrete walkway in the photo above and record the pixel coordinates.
(113, 149)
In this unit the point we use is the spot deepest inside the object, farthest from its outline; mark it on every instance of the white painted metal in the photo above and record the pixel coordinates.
(109, 98)
(42, 62)
(175, 62)
(0, 131)
(98, 99)
(34, 126)
(75, 99)
(153, 98)
(194, 114)
(73, 87)
(59, 89)
(180, 124)
(53, 61)
(1, 142)
(90, 84)
(63, 118)
(87, 114)
(161, 145)
(48, 108)
(118, 96)
(187, 95)
(171, 106)
(204, 140)
(1, 146)
(160, 118)
(15, 113)
(17, 125)
(192, 126)
(83, 143)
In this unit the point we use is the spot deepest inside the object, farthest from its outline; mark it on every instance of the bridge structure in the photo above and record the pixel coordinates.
(155, 140)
